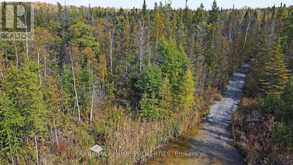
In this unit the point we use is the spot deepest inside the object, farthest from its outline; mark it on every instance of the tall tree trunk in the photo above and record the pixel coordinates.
(141, 46)
(93, 92)
(191, 45)
(246, 34)
(149, 48)
(231, 33)
(92, 102)
(74, 86)
(56, 133)
(111, 34)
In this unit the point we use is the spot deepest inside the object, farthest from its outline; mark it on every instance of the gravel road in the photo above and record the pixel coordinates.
(213, 144)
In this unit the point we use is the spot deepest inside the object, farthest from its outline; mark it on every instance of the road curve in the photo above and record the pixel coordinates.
(213, 144)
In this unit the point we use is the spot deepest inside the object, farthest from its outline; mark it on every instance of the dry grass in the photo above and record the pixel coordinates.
(126, 140)
(212, 95)
(133, 140)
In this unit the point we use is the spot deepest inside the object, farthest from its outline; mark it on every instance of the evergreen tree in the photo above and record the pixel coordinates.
(275, 76)
(165, 96)
(287, 98)
(11, 126)
(173, 62)
(210, 58)
(144, 8)
(158, 28)
(199, 15)
(23, 110)
(187, 91)
(175, 67)
(149, 107)
(150, 80)
(258, 62)
(87, 57)
(288, 29)
(149, 85)
(214, 13)
(102, 69)
(288, 37)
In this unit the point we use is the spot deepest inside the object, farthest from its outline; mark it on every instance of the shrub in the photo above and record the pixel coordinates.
(271, 104)
(151, 80)
(283, 134)
(149, 107)
(287, 97)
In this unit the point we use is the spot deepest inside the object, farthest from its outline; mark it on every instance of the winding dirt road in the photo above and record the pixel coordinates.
(213, 144)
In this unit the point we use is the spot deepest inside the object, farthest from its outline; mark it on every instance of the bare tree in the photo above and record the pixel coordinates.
(74, 86)
(141, 42)
(111, 36)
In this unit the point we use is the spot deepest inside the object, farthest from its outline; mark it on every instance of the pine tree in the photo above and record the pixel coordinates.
(214, 13)
(175, 66)
(199, 15)
(149, 107)
(102, 68)
(187, 91)
(22, 86)
(258, 63)
(150, 80)
(149, 85)
(158, 28)
(144, 8)
(210, 58)
(11, 126)
(24, 111)
(288, 29)
(173, 62)
(165, 97)
(288, 37)
(275, 76)
(287, 98)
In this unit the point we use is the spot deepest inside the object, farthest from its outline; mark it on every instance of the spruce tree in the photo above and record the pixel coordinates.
(149, 107)
(187, 91)
(144, 8)
(214, 13)
(23, 111)
(165, 96)
(149, 85)
(11, 126)
(258, 63)
(275, 74)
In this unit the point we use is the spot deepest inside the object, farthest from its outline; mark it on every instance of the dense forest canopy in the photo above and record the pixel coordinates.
(91, 72)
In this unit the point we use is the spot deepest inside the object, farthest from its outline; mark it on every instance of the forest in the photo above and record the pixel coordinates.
(130, 80)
